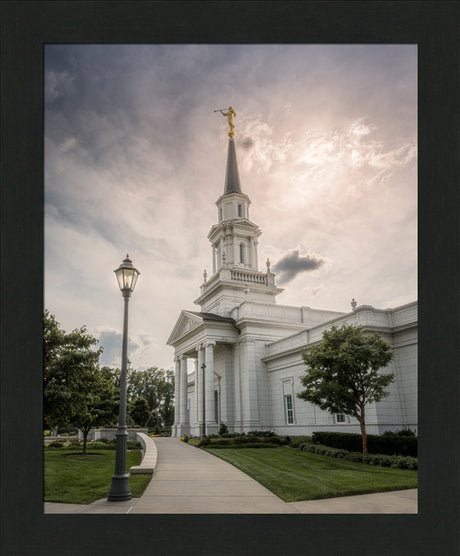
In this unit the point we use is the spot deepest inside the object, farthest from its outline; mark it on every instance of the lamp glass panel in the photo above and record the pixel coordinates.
(128, 275)
(136, 275)
(119, 274)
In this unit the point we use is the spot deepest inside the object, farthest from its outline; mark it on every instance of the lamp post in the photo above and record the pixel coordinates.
(203, 434)
(119, 490)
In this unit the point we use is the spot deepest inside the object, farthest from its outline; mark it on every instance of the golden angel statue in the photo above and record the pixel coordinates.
(229, 114)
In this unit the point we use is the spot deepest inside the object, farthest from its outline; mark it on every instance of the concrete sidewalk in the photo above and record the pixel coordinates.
(191, 481)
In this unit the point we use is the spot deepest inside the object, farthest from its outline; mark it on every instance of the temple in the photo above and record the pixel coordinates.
(238, 360)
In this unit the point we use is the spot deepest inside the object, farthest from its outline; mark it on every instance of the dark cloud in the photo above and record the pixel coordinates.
(293, 263)
(111, 341)
(247, 143)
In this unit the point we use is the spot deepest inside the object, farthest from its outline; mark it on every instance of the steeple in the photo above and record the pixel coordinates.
(232, 178)
(234, 239)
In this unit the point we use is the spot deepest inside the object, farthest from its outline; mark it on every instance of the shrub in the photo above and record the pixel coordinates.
(55, 444)
(74, 443)
(239, 441)
(134, 445)
(405, 432)
(246, 445)
(399, 462)
(97, 445)
(390, 443)
(296, 441)
(223, 430)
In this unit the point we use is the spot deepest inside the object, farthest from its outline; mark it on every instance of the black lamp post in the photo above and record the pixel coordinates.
(119, 490)
(203, 434)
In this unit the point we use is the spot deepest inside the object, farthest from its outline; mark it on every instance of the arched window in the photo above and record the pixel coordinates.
(242, 253)
(240, 211)
(220, 214)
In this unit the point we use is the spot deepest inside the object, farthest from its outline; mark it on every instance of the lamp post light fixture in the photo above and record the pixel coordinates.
(119, 490)
(203, 433)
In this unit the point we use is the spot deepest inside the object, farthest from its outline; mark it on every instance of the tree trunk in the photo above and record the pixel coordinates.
(362, 424)
(85, 438)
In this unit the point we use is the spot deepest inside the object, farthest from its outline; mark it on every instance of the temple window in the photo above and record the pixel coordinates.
(241, 253)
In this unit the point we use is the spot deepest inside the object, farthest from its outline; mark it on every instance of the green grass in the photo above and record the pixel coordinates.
(74, 478)
(295, 475)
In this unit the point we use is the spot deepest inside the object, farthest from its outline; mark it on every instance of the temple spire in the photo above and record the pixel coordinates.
(232, 178)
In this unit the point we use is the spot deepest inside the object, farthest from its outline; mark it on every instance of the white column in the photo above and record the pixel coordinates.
(183, 392)
(200, 350)
(194, 423)
(213, 260)
(250, 405)
(237, 386)
(256, 257)
(236, 250)
(176, 394)
(211, 425)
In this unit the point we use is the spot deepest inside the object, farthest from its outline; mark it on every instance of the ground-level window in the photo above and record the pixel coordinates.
(289, 412)
(340, 418)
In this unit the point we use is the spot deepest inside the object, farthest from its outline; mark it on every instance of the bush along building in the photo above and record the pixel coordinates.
(246, 350)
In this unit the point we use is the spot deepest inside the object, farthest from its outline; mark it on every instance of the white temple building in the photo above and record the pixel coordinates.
(247, 350)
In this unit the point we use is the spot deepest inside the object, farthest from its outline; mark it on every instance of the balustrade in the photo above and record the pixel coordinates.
(250, 277)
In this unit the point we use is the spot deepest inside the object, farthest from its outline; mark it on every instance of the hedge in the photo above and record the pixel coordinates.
(397, 462)
(389, 443)
(262, 440)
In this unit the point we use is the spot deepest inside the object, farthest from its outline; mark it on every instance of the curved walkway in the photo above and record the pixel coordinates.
(191, 481)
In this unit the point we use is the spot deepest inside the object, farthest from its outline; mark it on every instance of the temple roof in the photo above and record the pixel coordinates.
(232, 178)
(212, 316)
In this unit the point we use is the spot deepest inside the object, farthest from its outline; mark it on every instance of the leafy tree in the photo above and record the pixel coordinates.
(156, 386)
(140, 411)
(101, 404)
(70, 361)
(342, 373)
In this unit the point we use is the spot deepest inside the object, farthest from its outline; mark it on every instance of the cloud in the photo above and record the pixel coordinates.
(247, 143)
(111, 341)
(292, 264)
(352, 149)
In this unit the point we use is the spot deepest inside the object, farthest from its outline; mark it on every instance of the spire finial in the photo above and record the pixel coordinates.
(229, 114)
(205, 276)
(268, 265)
(353, 304)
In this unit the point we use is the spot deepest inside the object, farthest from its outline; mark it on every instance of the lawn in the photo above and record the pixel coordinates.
(295, 475)
(75, 478)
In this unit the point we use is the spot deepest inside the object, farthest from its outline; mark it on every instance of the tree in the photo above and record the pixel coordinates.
(140, 411)
(156, 386)
(70, 361)
(101, 404)
(343, 375)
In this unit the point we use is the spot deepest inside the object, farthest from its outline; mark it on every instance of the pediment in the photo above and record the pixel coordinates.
(186, 322)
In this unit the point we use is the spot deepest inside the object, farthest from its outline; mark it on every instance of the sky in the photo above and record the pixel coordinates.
(326, 142)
